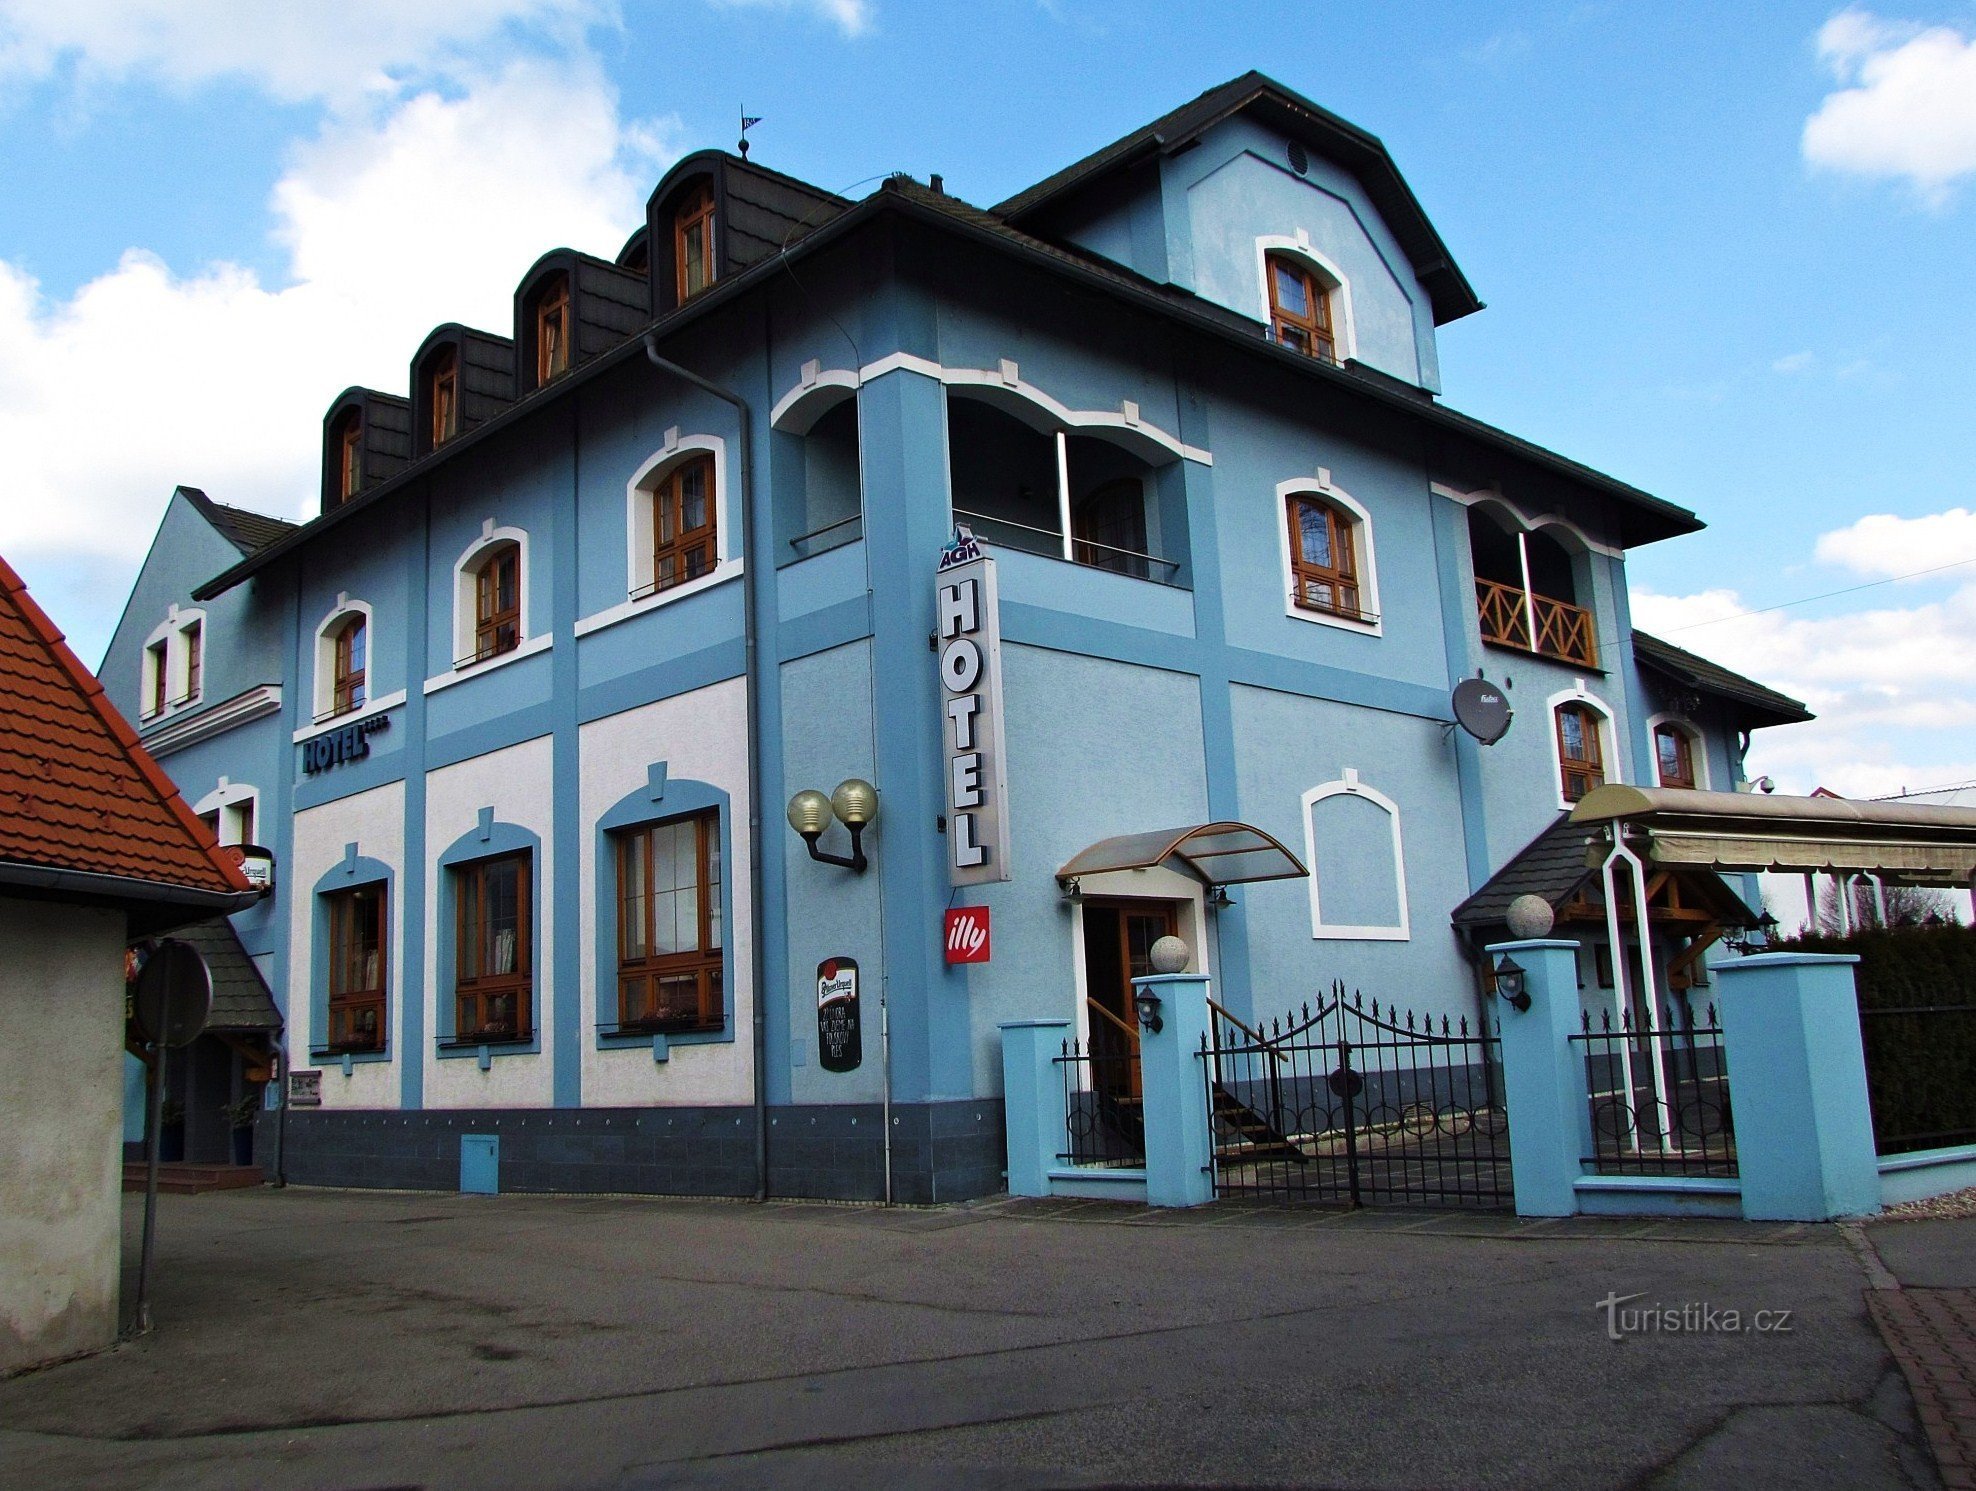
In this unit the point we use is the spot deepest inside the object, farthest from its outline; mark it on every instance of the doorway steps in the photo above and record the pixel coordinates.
(182, 1178)
(1245, 1133)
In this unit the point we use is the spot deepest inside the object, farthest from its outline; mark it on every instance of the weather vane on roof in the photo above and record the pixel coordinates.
(748, 122)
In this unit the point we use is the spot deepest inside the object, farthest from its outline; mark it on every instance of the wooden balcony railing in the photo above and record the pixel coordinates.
(1564, 631)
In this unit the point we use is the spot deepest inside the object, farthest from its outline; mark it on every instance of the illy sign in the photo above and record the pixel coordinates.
(967, 934)
(970, 637)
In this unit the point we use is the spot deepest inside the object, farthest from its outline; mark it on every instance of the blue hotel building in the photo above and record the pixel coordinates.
(519, 712)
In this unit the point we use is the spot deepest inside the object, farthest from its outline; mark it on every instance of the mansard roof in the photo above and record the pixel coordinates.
(1296, 117)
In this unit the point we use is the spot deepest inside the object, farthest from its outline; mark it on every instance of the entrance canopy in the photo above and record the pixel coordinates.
(1901, 842)
(1216, 853)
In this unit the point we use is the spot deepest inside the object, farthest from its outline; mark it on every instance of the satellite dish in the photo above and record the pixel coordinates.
(1481, 710)
(174, 995)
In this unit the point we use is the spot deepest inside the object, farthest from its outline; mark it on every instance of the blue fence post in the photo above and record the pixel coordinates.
(1032, 1101)
(1179, 1144)
(1797, 1083)
(1550, 1113)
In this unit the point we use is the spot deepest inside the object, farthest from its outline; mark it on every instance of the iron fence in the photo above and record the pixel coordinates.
(1659, 1093)
(1921, 1075)
(1357, 1104)
(1104, 1113)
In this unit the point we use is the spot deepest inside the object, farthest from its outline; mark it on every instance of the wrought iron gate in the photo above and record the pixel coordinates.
(1358, 1105)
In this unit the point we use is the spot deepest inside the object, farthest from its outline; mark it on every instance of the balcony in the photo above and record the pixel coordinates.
(1049, 542)
(1510, 616)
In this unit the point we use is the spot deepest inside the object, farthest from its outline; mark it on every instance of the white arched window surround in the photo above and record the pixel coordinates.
(326, 630)
(1697, 753)
(654, 468)
(466, 576)
(176, 658)
(1321, 487)
(1349, 784)
(1528, 522)
(1608, 736)
(227, 800)
(1343, 331)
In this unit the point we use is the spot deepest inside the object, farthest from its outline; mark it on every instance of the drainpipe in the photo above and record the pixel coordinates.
(751, 674)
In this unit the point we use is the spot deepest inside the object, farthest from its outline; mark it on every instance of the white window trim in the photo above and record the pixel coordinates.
(230, 795)
(1349, 784)
(1697, 750)
(638, 532)
(171, 631)
(1321, 486)
(324, 692)
(466, 574)
(1343, 328)
(1615, 773)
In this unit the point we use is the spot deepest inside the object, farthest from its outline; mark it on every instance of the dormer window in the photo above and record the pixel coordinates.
(552, 330)
(443, 397)
(693, 241)
(1300, 313)
(349, 447)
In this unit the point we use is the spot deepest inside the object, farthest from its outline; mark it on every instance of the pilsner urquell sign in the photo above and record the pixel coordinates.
(970, 636)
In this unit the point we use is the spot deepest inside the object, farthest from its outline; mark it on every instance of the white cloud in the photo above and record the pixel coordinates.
(1884, 546)
(1795, 362)
(428, 212)
(852, 17)
(1906, 107)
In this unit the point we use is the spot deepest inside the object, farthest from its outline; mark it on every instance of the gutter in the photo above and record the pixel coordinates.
(751, 673)
(199, 905)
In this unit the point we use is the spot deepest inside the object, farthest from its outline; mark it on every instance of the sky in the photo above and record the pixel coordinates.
(1725, 252)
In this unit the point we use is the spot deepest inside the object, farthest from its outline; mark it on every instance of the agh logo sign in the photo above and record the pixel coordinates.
(967, 934)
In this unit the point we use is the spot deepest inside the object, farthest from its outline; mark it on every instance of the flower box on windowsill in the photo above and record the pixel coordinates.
(468, 1041)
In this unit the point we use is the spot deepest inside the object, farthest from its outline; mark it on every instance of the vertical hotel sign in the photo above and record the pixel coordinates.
(969, 634)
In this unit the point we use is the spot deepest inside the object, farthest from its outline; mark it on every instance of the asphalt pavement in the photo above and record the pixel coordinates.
(334, 1339)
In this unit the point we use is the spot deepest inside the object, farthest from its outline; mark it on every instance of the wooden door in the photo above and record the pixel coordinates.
(1118, 944)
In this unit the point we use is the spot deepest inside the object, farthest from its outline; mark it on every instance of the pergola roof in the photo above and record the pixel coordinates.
(1216, 853)
(1905, 842)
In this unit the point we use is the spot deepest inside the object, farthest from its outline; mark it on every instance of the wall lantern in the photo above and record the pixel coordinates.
(854, 804)
(1753, 939)
(1509, 984)
(1148, 1005)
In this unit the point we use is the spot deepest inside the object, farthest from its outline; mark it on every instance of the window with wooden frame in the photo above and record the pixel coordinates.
(494, 978)
(195, 661)
(349, 688)
(1580, 756)
(349, 456)
(357, 973)
(1300, 308)
(683, 538)
(552, 329)
(1323, 558)
(1674, 756)
(669, 926)
(157, 683)
(497, 603)
(693, 241)
(443, 396)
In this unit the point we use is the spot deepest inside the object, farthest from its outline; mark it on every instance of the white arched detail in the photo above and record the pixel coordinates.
(1003, 387)
(1697, 746)
(1527, 522)
(239, 808)
(1343, 330)
(326, 629)
(797, 412)
(466, 575)
(1397, 931)
(167, 648)
(651, 471)
(1608, 736)
(1320, 486)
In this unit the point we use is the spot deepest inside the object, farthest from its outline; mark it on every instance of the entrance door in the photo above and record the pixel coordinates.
(1118, 945)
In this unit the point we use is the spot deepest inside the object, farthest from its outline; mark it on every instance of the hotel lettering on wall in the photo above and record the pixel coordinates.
(349, 743)
(969, 640)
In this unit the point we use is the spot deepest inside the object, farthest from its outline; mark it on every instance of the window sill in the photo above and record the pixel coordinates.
(382, 705)
(453, 1048)
(1363, 625)
(660, 1042)
(728, 569)
(481, 667)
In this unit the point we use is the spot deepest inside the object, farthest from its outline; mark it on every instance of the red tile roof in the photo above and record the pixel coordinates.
(77, 792)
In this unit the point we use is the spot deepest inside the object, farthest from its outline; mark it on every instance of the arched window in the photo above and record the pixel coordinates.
(683, 538)
(1300, 312)
(1674, 756)
(348, 689)
(693, 241)
(1580, 750)
(349, 456)
(552, 329)
(1358, 877)
(497, 602)
(1323, 558)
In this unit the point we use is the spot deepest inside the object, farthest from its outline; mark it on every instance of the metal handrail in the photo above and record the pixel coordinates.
(1253, 1034)
(803, 538)
(1057, 534)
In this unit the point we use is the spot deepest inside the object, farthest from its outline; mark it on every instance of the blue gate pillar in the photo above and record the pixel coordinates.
(1179, 1142)
(1032, 1101)
(1550, 1113)
(1797, 1083)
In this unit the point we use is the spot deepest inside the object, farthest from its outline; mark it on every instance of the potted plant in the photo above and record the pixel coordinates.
(171, 1131)
(240, 1119)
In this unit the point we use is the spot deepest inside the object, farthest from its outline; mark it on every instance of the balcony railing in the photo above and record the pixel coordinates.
(1009, 534)
(1508, 615)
